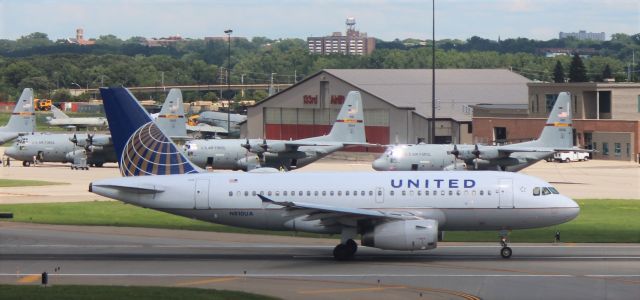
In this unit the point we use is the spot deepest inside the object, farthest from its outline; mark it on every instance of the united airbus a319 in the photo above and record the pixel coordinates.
(388, 210)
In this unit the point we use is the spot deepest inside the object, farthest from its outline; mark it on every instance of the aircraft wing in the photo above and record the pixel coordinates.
(311, 209)
(508, 150)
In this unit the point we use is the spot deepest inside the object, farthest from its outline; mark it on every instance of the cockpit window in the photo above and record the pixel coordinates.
(553, 190)
(545, 191)
(536, 191)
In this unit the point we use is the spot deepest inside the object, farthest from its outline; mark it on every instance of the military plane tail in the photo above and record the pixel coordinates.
(171, 118)
(23, 118)
(142, 147)
(57, 113)
(349, 126)
(558, 131)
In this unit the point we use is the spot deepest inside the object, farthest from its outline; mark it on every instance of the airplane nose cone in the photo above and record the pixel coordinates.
(380, 165)
(10, 151)
(572, 209)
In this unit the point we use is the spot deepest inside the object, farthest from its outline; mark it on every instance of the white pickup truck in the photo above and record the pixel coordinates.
(569, 156)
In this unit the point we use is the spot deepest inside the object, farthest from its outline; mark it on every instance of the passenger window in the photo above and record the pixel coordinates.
(315, 193)
(426, 193)
(390, 193)
(481, 193)
(545, 191)
(246, 193)
(379, 193)
(450, 193)
(283, 193)
(339, 193)
(404, 193)
(370, 193)
(230, 194)
(488, 193)
(331, 193)
(324, 193)
(262, 193)
(293, 193)
(419, 193)
(253, 193)
(473, 193)
(435, 193)
(277, 193)
(300, 193)
(458, 192)
(269, 193)
(346, 193)
(536, 191)
(308, 193)
(442, 193)
(361, 193)
(355, 193)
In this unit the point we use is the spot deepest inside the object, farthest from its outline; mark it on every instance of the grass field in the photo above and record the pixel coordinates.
(72, 292)
(20, 182)
(600, 221)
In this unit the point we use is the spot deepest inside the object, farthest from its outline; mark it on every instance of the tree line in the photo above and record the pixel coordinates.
(54, 67)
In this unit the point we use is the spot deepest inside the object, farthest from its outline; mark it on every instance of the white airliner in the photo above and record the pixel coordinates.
(389, 210)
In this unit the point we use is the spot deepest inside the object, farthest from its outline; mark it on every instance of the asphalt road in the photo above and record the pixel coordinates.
(294, 268)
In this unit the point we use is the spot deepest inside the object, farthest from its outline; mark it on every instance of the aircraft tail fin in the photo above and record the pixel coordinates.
(142, 147)
(57, 113)
(349, 126)
(171, 118)
(23, 118)
(558, 131)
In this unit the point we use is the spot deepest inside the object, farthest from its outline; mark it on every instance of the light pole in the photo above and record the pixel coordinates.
(228, 32)
(433, 73)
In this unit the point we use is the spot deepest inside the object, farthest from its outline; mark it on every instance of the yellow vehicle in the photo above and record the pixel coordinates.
(42, 104)
(193, 120)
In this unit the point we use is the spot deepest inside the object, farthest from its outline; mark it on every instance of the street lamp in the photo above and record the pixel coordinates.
(228, 32)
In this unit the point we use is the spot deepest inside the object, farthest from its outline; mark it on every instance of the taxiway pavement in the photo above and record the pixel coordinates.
(294, 268)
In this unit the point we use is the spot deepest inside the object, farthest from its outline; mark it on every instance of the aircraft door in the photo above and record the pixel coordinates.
(379, 195)
(202, 194)
(505, 193)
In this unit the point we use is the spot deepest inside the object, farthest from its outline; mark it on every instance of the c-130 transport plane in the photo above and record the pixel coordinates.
(557, 135)
(390, 210)
(250, 154)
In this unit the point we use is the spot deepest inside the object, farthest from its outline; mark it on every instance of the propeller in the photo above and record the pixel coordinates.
(476, 152)
(264, 145)
(455, 151)
(74, 139)
(246, 145)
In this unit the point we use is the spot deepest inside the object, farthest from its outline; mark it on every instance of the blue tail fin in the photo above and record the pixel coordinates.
(142, 148)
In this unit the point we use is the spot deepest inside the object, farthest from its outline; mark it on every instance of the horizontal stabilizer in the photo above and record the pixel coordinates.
(142, 189)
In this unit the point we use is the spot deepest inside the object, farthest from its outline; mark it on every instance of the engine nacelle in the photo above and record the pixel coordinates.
(455, 166)
(489, 153)
(276, 147)
(403, 235)
(80, 153)
(248, 163)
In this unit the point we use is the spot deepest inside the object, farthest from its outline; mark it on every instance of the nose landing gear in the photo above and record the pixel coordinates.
(505, 252)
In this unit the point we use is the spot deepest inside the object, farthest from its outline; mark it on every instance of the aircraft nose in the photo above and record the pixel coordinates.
(10, 151)
(380, 164)
(572, 208)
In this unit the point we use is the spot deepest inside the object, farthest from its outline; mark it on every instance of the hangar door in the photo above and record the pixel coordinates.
(300, 123)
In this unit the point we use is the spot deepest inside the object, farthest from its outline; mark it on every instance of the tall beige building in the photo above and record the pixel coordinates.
(353, 43)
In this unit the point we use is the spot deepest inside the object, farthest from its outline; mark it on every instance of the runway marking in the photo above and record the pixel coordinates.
(351, 290)
(214, 280)
(328, 275)
(29, 278)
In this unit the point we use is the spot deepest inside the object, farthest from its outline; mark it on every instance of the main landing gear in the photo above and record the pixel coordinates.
(347, 247)
(345, 251)
(505, 252)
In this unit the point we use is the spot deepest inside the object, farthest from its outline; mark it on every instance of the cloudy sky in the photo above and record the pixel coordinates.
(384, 19)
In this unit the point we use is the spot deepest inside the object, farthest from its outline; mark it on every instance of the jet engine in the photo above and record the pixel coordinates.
(403, 235)
(248, 163)
(78, 153)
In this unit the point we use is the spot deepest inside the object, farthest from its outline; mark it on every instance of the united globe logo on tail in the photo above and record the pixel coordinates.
(149, 152)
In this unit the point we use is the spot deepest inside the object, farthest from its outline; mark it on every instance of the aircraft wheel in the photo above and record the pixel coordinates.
(342, 252)
(26, 163)
(352, 247)
(506, 252)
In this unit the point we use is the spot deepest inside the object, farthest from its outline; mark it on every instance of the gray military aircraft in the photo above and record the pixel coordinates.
(249, 154)
(389, 210)
(223, 120)
(92, 149)
(22, 120)
(60, 119)
(557, 135)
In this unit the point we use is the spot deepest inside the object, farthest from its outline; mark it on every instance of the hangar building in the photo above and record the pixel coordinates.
(397, 103)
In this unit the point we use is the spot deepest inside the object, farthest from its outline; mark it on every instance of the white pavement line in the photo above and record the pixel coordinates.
(163, 246)
(320, 275)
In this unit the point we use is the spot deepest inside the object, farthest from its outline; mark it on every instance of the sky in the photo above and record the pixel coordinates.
(383, 19)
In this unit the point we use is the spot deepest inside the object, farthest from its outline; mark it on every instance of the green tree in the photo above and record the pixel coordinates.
(558, 73)
(606, 73)
(577, 71)
(61, 95)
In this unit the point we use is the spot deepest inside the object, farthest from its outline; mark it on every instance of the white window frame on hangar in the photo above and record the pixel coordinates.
(397, 103)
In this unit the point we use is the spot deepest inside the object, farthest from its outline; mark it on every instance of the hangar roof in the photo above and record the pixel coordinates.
(456, 89)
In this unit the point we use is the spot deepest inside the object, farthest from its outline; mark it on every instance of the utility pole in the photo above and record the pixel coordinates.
(271, 89)
(242, 83)
(228, 33)
(433, 74)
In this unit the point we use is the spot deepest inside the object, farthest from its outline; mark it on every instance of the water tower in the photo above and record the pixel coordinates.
(351, 26)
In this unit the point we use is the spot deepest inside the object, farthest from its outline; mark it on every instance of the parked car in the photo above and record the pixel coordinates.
(569, 156)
